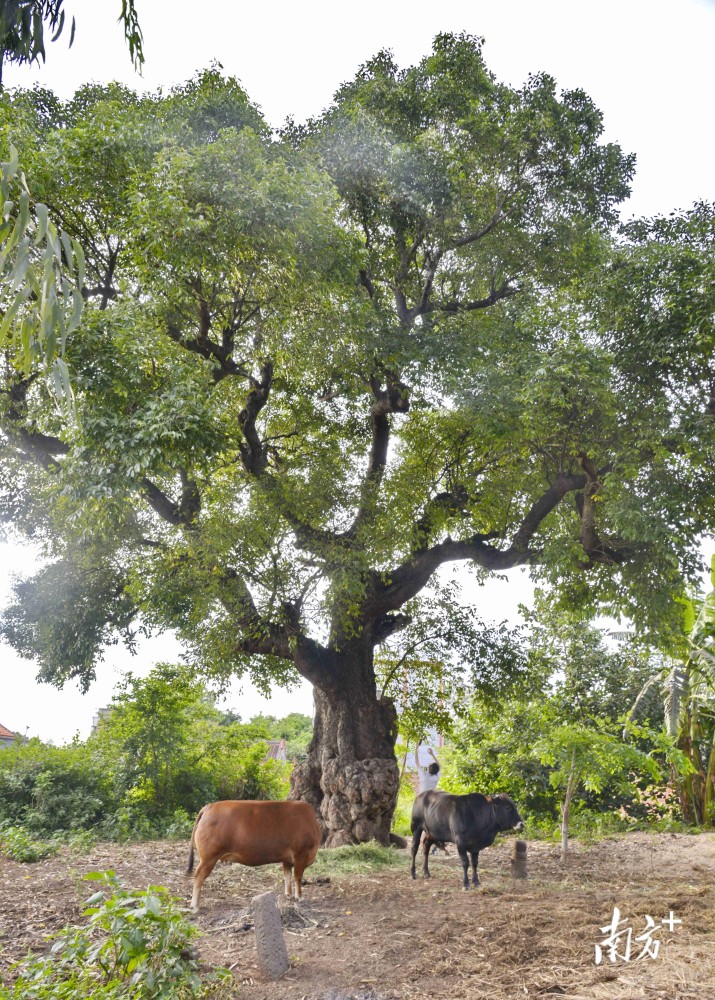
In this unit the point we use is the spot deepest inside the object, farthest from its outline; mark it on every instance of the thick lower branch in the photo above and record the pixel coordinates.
(31, 445)
(407, 580)
(543, 507)
(38, 448)
(260, 636)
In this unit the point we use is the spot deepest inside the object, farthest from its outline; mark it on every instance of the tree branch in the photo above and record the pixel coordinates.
(383, 628)
(210, 350)
(366, 282)
(543, 507)
(597, 550)
(180, 515)
(266, 638)
(393, 399)
(37, 448)
(33, 446)
(407, 580)
(479, 234)
(450, 502)
(252, 449)
(108, 291)
(504, 291)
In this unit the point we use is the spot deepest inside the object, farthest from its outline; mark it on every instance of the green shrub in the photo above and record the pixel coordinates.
(18, 844)
(129, 822)
(48, 788)
(588, 825)
(160, 754)
(253, 777)
(134, 945)
(403, 809)
(79, 841)
(178, 826)
(402, 817)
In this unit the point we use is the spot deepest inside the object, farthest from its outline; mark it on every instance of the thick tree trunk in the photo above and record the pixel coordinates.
(351, 776)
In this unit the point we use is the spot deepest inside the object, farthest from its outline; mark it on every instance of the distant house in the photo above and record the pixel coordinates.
(101, 713)
(6, 737)
(276, 750)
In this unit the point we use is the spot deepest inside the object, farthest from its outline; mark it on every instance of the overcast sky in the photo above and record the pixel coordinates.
(648, 64)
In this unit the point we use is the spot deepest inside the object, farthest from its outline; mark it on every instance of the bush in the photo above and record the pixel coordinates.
(160, 754)
(254, 777)
(134, 945)
(79, 841)
(178, 826)
(129, 822)
(16, 843)
(48, 788)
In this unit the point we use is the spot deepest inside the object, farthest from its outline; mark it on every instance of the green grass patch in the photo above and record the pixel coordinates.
(360, 859)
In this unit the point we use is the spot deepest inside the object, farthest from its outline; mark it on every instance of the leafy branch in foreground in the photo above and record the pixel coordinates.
(41, 277)
(23, 24)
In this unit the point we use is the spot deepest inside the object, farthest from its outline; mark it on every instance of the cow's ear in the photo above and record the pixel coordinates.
(488, 798)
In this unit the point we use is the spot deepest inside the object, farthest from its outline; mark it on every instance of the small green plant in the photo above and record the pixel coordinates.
(134, 945)
(16, 843)
(78, 842)
(178, 826)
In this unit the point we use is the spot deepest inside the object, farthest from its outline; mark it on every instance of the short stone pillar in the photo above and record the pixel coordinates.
(270, 945)
(518, 861)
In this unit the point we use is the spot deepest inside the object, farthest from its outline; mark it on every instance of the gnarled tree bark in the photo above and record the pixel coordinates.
(351, 776)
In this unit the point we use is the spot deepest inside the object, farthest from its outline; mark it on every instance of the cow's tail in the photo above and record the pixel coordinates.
(190, 865)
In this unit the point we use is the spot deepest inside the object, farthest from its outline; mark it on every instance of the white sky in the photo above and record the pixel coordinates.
(648, 64)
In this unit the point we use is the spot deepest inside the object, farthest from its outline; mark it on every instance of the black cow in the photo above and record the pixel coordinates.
(469, 821)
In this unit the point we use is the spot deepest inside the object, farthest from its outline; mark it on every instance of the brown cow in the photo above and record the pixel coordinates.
(254, 833)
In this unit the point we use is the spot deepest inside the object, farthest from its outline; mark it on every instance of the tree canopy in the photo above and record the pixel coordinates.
(313, 369)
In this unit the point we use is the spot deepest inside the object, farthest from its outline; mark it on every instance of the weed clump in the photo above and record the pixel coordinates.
(133, 946)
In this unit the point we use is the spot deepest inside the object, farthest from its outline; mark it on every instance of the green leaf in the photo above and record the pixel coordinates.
(42, 213)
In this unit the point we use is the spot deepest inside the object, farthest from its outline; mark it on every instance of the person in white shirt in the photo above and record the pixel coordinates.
(428, 774)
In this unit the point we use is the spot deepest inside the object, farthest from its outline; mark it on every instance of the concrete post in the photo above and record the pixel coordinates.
(518, 861)
(270, 945)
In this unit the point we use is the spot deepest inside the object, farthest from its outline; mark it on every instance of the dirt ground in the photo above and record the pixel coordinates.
(381, 936)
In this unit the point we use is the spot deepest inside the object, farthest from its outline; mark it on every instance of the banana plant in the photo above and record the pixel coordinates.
(699, 715)
(688, 686)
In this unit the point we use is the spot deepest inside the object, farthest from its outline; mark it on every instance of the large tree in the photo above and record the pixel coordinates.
(313, 370)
